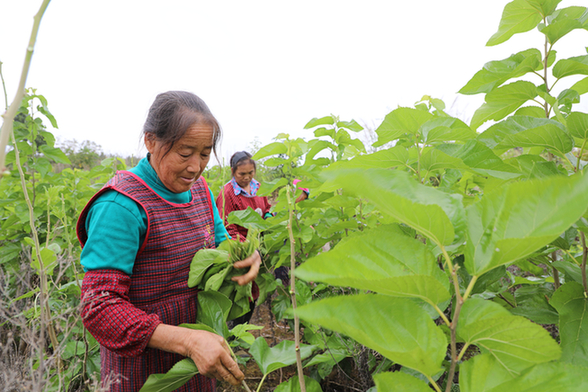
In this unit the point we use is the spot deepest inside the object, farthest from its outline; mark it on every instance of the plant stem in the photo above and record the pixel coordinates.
(555, 271)
(583, 267)
(293, 290)
(459, 301)
(434, 384)
(463, 351)
(470, 287)
(580, 155)
(445, 319)
(243, 383)
(261, 383)
(44, 287)
(545, 73)
(6, 129)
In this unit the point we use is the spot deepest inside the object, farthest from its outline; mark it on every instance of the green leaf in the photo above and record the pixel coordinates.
(515, 342)
(581, 86)
(383, 260)
(213, 310)
(399, 382)
(281, 355)
(203, 259)
(275, 148)
(389, 158)
(54, 154)
(434, 159)
(548, 377)
(577, 124)
(572, 304)
(531, 111)
(214, 282)
(534, 166)
(48, 258)
(315, 122)
(400, 122)
(395, 327)
(249, 219)
(532, 303)
(398, 195)
(444, 129)
(503, 101)
(351, 125)
(495, 73)
(482, 373)
(511, 126)
(293, 385)
(564, 21)
(481, 160)
(177, 376)
(330, 356)
(572, 271)
(548, 136)
(572, 66)
(512, 222)
(518, 16)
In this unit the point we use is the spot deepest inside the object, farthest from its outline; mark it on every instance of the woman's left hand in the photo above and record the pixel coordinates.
(253, 262)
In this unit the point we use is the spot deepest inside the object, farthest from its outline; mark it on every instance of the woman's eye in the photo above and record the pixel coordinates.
(184, 155)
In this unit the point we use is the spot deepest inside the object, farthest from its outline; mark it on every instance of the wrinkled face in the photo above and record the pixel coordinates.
(244, 174)
(184, 163)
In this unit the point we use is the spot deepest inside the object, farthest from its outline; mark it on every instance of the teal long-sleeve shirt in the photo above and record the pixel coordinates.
(116, 224)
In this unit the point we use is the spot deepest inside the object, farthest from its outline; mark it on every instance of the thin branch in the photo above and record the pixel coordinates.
(583, 267)
(6, 129)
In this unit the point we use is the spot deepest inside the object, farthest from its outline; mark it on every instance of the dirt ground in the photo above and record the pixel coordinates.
(274, 333)
(338, 381)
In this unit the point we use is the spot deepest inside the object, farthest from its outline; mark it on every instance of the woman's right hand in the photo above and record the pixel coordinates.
(209, 351)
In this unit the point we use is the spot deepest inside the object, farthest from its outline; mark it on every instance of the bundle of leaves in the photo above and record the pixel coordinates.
(212, 270)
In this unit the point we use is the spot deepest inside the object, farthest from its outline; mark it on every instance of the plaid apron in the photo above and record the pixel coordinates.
(122, 311)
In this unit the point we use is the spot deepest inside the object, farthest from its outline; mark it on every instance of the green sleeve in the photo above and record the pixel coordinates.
(220, 231)
(116, 227)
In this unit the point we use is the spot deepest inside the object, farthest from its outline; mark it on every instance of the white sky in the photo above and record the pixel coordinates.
(263, 67)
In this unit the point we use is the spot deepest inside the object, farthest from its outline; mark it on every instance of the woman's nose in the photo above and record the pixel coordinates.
(194, 164)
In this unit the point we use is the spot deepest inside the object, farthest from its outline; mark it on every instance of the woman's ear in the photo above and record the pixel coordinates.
(150, 142)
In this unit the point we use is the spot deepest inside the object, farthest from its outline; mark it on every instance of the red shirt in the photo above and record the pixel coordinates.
(227, 202)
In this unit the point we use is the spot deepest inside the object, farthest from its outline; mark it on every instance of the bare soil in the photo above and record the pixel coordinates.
(274, 333)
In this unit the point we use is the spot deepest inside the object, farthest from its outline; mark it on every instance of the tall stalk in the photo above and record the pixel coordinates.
(43, 280)
(6, 129)
(293, 288)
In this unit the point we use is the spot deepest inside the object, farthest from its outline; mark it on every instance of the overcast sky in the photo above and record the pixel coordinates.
(263, 67)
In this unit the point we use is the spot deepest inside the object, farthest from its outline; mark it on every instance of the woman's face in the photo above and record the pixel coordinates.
(244, 174)
(179, 169)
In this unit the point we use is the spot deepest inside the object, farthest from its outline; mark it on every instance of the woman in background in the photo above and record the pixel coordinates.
(241, 192)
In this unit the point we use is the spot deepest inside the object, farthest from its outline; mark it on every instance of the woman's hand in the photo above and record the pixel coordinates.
(253, 262)
(209, 351)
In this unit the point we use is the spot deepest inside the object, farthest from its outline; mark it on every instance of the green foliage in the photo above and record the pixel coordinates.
(441, 252)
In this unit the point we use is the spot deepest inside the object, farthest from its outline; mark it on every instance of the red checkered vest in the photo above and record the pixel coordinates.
(158, 285)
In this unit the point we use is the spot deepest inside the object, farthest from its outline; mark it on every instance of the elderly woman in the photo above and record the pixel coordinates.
(241, 192)
(139, 234)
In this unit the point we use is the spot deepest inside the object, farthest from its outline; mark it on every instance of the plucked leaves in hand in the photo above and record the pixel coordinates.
(177, 376)
(212, 270)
